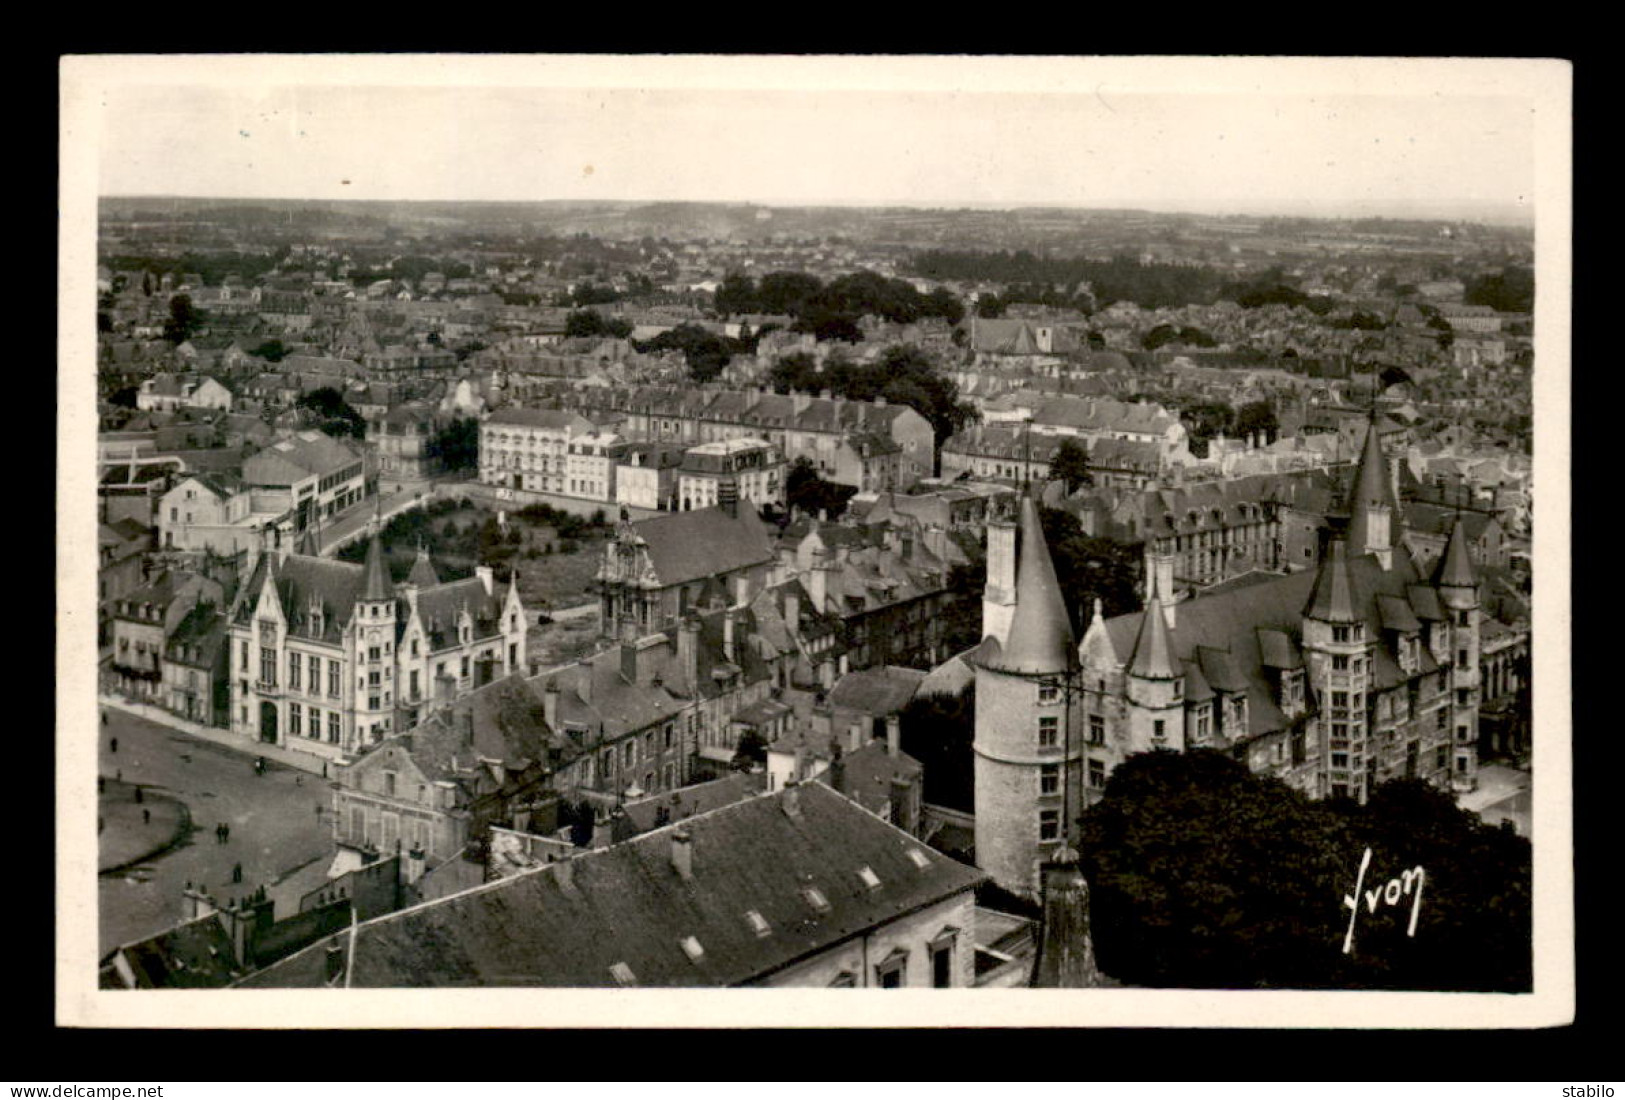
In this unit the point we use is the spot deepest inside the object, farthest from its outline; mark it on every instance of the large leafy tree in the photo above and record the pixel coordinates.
(589, 322)
(805, 489)
(338, 418)
(1090, 568)
(937, 730)
(1070, 466)
(457, 445)
(183, 320)
(1207, 875)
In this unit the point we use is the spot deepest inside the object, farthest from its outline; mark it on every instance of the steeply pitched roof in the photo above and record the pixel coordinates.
(1153, 653)
(685, 546)
(1224, 632)
(1040, 638)
(375, 581)
(622, 915)
(194, 955)
(1456, 567)
(1332, 598)
(876, 691)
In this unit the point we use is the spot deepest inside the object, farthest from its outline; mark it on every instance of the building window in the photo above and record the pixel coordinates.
(892, 973)
(1340, 662)
(293, 672)
(1049, 824)
(1300, 748)
(389, 784)
(1097, 729)
(1048, 693)
(1049, 779)
(942, 962)
(1049, 732)
(332, 678)
(1340, 634)
(1097, 773)
(1158, 729)
(333, 726)
(1340, 760)
(1441, 757)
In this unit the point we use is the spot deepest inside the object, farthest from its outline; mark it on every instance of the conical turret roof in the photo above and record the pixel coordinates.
(1372, 489)
(423, 574)
(1456, 567)
(376, 584)
(1040, 638)
(1153, 648)
(1332, 598)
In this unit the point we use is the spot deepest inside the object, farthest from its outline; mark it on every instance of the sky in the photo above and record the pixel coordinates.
(1421, 138)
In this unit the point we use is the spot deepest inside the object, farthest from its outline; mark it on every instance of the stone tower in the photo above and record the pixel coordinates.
(1457, 584)
(1338, 657)
(1155, 686)
(372, 636)
(1028, 756)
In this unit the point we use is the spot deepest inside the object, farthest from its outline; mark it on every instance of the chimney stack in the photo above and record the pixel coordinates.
(894, 735)
(902, 804)
(682, 854)
(550, 705)
(414, 864)
(729, 627)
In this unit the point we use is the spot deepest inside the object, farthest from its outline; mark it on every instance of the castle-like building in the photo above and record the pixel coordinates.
(1332, 680)
(328, 657)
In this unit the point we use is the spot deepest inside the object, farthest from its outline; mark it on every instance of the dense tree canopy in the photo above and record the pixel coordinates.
(1070, 466)
(1510, 291)
(806, 490)
(937, 730)
(1257, 416)
(457, 445)
(1204, 874)
(589, 322)
(338, 418)
(1090, 568)
(903, 375)
(705, 351)
(183, 320)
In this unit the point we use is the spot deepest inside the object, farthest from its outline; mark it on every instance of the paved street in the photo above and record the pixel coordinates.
(273, 819)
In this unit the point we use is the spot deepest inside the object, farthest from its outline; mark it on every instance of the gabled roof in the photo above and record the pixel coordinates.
(686, 546)
(1153, 657)
(622, 914)
(876, 691)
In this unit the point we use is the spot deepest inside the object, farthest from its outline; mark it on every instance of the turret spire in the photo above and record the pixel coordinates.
(1332, 598)
(1040, 637)
(1456, 567)
(376, 583)
(1153, 649)
(1372, 507)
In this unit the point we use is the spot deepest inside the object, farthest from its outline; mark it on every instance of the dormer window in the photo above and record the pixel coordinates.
(622, 974)
(869, 878)
(758, 923)
(691, 948)
(815, 898)
(919, 859)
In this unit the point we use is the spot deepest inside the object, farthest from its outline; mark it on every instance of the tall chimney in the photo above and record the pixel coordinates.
(688, 649)
(792, 611)
(902, 804)
(728, 628)
(894, 735)
(550, 704)
(682, 854)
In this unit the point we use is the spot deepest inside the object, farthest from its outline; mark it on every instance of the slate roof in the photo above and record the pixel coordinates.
(866, 776)
(686, 546)
(626, 907)
(503, 721)
(1040, 637)
(876, 691)
(194, 955)
(700, 798)
(1223, 633)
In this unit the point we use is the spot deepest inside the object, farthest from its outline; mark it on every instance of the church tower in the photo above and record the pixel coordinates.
(372, 638)
(1373, 507)
(1028, 757)
(1457, 584)
(1338, 655)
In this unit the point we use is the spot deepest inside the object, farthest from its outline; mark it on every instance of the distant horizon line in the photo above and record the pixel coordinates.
(1506, 215)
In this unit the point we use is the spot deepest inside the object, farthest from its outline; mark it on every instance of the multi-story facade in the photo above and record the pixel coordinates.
(403, 439)
(529, 448)
(590, 464)
(312, 475)
(753, 466)
(646, 476)
(328, 657)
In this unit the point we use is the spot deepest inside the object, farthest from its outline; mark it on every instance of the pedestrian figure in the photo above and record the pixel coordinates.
(104, 718)
(101, 784)
(227, 828)
(220, 832)
(298, 781)
(237, 873)
(146, 817)
(113, 744)
(139, 796)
